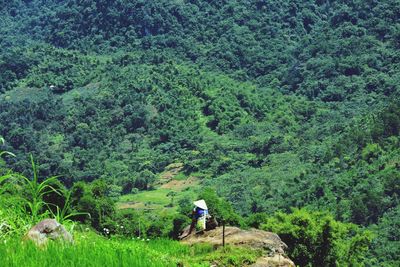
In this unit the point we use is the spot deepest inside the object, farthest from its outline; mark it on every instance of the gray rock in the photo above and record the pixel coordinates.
(273, 247)
(48, 229)
(274, 261)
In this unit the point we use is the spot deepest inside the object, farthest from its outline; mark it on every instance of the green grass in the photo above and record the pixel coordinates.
(180, 176)
(157, 198)
(92, 250)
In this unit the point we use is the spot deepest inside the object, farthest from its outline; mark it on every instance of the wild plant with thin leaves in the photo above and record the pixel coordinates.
(25, 211)
(12, 216)
(8, 174)
(2, 153)
(2, 179)
(35, 192)
(19, 212)
(63, 215)
(13, 219)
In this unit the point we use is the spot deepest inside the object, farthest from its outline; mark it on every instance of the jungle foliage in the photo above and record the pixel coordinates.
(276, 104)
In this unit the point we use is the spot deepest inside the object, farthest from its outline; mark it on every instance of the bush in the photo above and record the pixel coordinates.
(255, 220)
(371, 152)
(179, 222)
(316, 239)
(92, 199)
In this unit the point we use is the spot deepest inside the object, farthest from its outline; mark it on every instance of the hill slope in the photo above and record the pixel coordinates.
(277, 105)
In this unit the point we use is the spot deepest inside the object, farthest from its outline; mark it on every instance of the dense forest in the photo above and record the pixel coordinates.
(275, 105)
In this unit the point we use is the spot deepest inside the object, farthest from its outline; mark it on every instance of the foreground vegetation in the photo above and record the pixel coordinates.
(314, 238)
(24, 202)
(92, 250)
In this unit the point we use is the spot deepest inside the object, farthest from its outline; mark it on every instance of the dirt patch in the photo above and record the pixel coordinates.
(130, 205)
(171, 171)
(180, 185)
(137, 205)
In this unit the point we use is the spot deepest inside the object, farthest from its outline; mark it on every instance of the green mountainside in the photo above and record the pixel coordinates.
(274, 104)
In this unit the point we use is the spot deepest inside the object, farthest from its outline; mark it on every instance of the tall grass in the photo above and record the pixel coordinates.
(92, 250)
(89, 251)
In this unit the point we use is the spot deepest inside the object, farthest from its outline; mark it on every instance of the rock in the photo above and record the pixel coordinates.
(211, 223)
(48, 229)
(271, 243)
(275, 261)
(235, 236)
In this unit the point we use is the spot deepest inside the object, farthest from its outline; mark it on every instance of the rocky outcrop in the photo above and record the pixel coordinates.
(274, 261)
(48, 229)
(271, 243)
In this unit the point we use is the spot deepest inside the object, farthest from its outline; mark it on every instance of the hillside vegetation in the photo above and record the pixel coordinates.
(275, 105)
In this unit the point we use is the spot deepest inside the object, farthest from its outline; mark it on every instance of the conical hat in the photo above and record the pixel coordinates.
(201, 204)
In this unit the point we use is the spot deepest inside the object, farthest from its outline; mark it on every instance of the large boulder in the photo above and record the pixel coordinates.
(48, 229)
(273, 261)
(270, 243)
(235, 236)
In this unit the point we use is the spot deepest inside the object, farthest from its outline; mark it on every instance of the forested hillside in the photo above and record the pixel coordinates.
(275, 104)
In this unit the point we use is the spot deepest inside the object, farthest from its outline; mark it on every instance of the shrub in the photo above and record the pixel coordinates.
(371, 152)
(316, 239)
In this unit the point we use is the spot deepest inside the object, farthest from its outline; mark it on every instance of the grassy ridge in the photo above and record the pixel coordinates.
(92, 250)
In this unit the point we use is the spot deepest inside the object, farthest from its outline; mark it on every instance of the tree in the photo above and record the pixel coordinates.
(172, 195)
